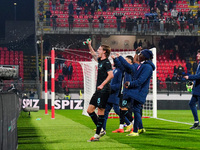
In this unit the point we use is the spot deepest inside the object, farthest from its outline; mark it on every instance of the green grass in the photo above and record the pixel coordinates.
(71, 130)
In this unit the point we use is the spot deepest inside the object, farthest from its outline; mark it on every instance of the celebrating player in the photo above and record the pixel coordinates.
(139, 87)
(124, 102)
(100, 97)
(195, 94)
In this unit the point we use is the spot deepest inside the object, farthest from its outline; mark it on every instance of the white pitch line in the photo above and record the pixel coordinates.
(174, 121)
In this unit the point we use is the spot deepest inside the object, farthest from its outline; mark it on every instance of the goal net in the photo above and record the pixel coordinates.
(90, 77)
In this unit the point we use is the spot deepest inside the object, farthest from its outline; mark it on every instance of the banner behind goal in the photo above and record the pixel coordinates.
(90, 77)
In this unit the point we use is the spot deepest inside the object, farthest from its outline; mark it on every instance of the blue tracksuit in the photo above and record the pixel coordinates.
(195, 93)
(113, 100)
(127, 73)
(139, 86)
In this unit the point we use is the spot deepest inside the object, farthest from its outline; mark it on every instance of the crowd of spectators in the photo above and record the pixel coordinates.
(156, 19)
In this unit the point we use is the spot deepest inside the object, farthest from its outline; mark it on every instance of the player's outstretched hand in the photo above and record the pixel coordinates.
(118, 54)
(126, 84)
(89, 41)
(186, 77)
(112, 56)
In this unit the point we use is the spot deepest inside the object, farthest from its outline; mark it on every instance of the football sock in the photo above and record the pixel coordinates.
(122, 116)
(100, 124)
(94, 117)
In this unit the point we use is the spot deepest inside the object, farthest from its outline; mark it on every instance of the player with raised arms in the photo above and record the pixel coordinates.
(139, 86)
(100, 97)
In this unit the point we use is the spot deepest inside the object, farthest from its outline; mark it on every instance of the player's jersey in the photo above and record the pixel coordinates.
(103, 67)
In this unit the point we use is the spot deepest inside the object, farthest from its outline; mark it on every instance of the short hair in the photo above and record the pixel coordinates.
(130, 57)
(198, 51)
(107, 49)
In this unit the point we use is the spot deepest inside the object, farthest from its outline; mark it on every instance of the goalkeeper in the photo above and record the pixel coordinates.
(100, 97)
(195, 94)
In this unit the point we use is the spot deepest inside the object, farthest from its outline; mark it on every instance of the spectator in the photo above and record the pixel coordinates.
(139, 23)
(41, 6)
(140, 43)
(194, 67)
(33, 74)
(128, 24)
(134, 24)
(41, 19)
(101, 22)
(53, 5)
(174, 82)
(78, 10)
(71, 22)
(31, 94)
(135, 45)
(145, 24)
(62, 2)
(168, 82)
(48, 17)
(112, 5)
(162, 21)
(65, 70)
(145, 44)
(90, 20)
(188, 66)
(175, 70)
(70, 70)
(118, 17)
(174, 13)
(151, 4)
(196, 24)
(60, 79)
(86, 8)
(71, 8)
(92, 9)
(61, 61)
(66, 90)
(190, 23)
(158, 84)
(181, 20)
(54, 17)
(180, 70)
(179, 81)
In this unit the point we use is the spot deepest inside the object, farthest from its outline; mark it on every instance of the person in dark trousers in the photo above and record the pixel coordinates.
(139, 87)
(54, 17)
(168, 83)
(71, 22)
(70, 71)
(125, 103)
(71, 8)
(65, 70)
(195, 93)
(101, 95)
(113, 100)
(118, 17)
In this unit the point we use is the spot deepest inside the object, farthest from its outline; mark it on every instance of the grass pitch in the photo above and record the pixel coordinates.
(70, 130)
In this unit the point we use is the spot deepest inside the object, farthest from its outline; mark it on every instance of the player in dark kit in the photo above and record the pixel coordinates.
(100, 97)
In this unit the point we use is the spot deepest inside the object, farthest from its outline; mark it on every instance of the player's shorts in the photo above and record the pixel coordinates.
(124, 103)
(99, 99)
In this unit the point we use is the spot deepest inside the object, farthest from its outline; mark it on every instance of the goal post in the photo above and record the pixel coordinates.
(90, 77)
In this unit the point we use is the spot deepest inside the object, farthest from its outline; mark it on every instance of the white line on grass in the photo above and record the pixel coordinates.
(174, 121)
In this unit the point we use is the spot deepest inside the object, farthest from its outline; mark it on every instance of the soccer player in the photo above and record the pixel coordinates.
(195, 94)
(113, 100)
(100, 97)
(124, 102)
(139, 87)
